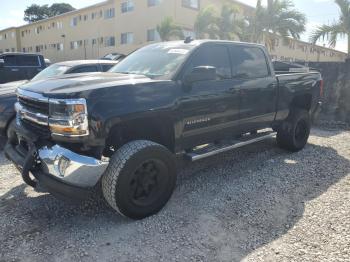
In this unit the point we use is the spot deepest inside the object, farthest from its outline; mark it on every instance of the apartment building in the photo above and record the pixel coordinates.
(9, 40)
(125, 25)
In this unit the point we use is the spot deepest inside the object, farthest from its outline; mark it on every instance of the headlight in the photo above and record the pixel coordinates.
(68, 117)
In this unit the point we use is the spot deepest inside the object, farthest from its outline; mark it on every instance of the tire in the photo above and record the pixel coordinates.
(295, 131)
(140, 179)
(10, 132)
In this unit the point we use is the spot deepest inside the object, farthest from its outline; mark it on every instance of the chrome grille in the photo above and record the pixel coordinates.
(34, 105)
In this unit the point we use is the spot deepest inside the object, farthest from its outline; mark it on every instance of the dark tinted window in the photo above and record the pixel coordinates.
(105, 68)
(213, 55)
(84, 69)
(248, 62)
(28, 60)
(10, 60)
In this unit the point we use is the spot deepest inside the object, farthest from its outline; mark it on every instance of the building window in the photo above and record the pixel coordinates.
(13, 34)
(74, 21)
(5, 36)
(109, 13)
(127, 6)
(153, 2)
(39, 48)
(152, 35)
(12, 50)
(59, 25)
(127, 38)
(110, 41)
(194, 4)
(74, 44)
(85, 17)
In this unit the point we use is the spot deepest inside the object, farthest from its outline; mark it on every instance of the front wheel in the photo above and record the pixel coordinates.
(295, 131)
(11, 133)
(140, 179)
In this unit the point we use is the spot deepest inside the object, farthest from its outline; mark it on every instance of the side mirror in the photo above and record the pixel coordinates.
(200, 73)
(2, 63)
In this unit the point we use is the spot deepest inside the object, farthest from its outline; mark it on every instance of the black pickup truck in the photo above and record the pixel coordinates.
(20, 66)
(123, 131)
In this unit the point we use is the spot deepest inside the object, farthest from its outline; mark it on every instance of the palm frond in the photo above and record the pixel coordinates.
(329, 32)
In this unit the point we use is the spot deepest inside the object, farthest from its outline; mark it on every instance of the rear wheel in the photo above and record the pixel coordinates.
(294, 132)
(140, 179)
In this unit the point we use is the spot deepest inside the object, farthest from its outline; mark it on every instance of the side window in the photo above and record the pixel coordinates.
(28, 60)
(106, 67)
(10, 60)
(248, 62)
(212, 55)
(84, 69)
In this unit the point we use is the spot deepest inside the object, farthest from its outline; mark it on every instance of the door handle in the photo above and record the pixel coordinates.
(14, 70)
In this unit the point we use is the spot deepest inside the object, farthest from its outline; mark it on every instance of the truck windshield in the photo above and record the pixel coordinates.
(51, 71)
(154, 61)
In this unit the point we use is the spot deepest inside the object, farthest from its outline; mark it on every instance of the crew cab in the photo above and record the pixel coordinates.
(20, 66)
(125, 130)
(8, 95)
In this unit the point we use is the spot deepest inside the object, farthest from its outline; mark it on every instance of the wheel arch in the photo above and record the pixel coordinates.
(302, 101)
(159, 130)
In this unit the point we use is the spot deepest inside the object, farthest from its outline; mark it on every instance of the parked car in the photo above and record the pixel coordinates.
(20, 66)
(114, 57)
(8, 95)
(124, 128)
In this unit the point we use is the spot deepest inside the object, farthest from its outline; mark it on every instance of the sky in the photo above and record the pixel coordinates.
(318, 12)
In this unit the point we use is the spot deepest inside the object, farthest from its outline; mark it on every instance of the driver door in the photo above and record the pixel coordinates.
(209, 108)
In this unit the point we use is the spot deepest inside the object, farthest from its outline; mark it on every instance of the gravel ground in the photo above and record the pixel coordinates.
(257, 203)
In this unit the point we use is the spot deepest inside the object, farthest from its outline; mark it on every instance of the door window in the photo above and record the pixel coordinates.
(10, 60)
(84, 69)
(28, 60)
(106, 67)
(248, 62)
(213, 55)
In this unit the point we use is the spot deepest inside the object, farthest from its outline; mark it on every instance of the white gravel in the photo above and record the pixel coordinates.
(257, 203)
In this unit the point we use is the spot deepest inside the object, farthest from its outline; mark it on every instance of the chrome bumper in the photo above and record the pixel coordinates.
(72, 168)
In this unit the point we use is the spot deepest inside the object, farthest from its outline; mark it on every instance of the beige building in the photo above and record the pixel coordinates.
(125, 25)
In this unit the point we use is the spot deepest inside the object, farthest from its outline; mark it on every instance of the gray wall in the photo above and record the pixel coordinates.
(336, 90)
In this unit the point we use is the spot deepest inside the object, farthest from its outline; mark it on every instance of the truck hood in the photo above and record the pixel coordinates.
(78, 83)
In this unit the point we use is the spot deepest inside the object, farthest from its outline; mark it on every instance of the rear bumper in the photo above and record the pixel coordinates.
(57, 169)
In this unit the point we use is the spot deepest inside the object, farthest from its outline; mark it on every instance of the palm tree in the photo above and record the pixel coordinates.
(206, 23)
(340, 28)
(226, 26)
(277, 18)
(230, 26)
(168, 29)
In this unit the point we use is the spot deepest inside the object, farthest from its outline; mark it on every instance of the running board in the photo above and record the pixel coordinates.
(211, 150)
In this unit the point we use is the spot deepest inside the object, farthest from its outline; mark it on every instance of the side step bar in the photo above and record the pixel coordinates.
(214, 150)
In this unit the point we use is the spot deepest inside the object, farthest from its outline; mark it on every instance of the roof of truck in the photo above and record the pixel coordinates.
(19, 53)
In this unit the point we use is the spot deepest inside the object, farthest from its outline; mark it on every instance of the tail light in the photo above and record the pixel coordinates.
(321, 89)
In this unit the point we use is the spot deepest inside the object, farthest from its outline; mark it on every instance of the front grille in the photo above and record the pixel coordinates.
(43, 131)
(34, 105)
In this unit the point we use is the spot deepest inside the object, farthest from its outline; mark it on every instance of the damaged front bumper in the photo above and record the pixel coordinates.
(57, 169)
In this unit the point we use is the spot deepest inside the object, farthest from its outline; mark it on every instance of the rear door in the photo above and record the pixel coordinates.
(209, 108)
(258, 90)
